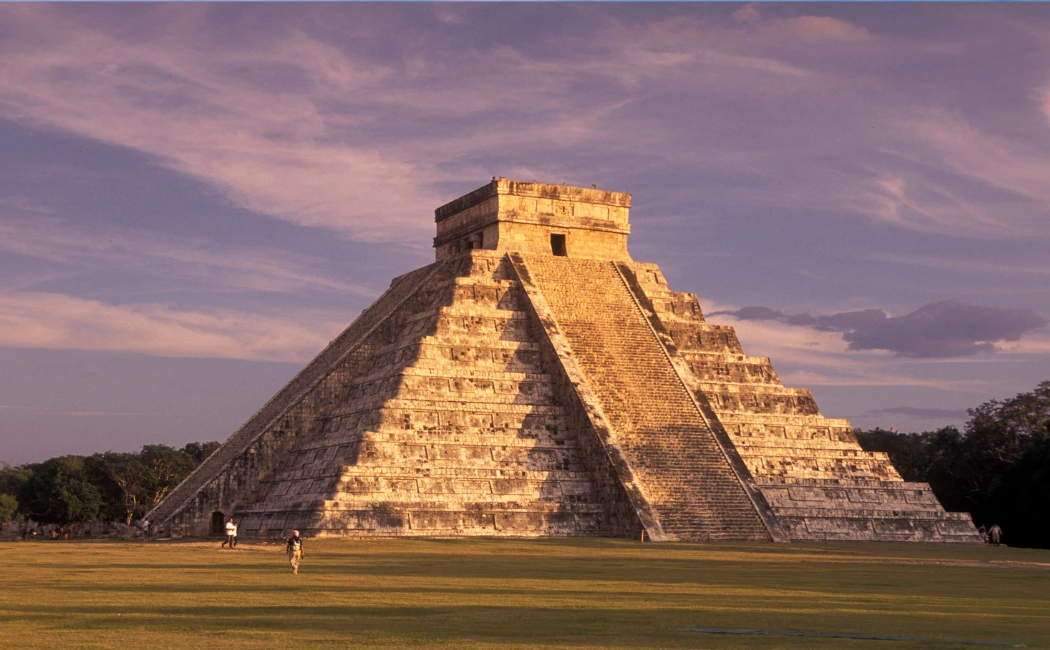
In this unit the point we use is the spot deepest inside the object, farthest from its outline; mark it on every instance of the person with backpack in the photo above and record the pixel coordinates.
(295, 551)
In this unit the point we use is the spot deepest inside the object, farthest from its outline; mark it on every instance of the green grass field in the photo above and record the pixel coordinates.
(579, 593)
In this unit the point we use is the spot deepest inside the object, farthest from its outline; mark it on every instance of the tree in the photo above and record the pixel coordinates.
(60, 492)
(1019, 500)
(166, 468)
(8, 507)
(996, 470)
(12, 483)
(199, 451)
(113, 486)
(124, 482)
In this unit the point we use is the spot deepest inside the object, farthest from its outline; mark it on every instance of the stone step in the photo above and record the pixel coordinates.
(882, 530)
(417, 456)
(764, 390)
(767, 444)
(823, 472)
(855, 510)
(436, 470)
(528, 438)
(334, 508)
(491, 404)
(349, 427)
(721, 358)
(730, 418)
(456, 372)
(539, 501)
(786, 482)
(469, 455)
(828, 493)
(439, 343)
(807, 453)
(471, 395)
(800, 404)
(450, 470)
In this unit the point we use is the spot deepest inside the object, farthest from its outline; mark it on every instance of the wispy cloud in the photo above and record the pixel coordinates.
(934, 260)
(1042, 97)
(768, 111)
(42, 320)
(309, 129)
(77, 414)
(247, 117)
(227, 268)
(925, 413)
(939, 194)
(807, 29)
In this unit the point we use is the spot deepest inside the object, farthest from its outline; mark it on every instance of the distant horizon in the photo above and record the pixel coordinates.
(196, 198)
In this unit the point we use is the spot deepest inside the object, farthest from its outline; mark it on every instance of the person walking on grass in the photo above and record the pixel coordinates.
(295, 551)
(231, 534)
(995, 534)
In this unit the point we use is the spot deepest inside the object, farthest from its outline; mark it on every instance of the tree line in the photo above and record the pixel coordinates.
(112, 486)
(997, 468)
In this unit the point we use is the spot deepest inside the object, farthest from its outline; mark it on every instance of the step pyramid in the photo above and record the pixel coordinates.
(534, 381)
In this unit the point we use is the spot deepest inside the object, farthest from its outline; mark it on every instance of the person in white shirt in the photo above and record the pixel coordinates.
(231, 534)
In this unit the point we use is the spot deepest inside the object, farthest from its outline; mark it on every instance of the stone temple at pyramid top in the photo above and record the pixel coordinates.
(507, 215)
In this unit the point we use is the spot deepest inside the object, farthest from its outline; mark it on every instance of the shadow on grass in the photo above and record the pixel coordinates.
(452, 626)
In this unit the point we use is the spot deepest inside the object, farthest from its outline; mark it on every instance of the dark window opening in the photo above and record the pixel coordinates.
(218, 524)
(558, 245)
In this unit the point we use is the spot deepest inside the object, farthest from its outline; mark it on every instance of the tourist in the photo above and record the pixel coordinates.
(995, 534)
(295, 551)
(231, 534)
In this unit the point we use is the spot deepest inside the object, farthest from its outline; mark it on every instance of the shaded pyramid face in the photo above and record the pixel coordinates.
(537, 381)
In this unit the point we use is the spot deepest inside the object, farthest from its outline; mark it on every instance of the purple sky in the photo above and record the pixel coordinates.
(194, 199)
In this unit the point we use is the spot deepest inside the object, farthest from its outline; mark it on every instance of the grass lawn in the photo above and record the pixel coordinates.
(486, 593)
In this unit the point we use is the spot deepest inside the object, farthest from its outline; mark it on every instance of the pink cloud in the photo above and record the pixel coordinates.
(56, 321)
(232, 268)
(820, 29)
